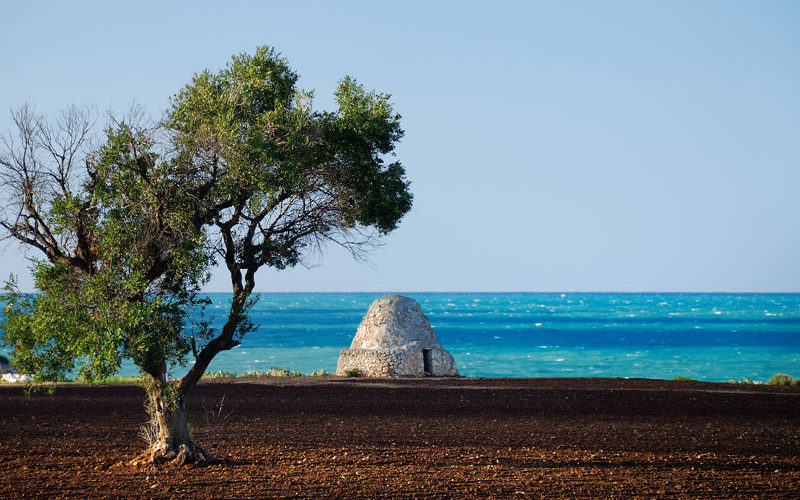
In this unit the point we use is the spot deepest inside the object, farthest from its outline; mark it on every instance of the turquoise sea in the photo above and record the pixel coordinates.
(713, 337)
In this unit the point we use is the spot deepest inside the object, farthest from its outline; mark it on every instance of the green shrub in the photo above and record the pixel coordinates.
(747, 381)
(783, 379)
(681, 378)
(320, 373)
(282, 372)
(219, 374)
(352, 372)
(272, 372)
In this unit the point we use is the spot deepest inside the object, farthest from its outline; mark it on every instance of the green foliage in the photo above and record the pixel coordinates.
(291, 176)
(319, 373)
(783, 379)
(683, 379)
(40, 346)
(89, 323)
(364, 128)
(272, 372)
(352, 372)
(746, 381)
(281, 372)
(219, 374)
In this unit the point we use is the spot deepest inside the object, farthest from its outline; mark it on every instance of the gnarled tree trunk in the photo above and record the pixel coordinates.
(168, 429)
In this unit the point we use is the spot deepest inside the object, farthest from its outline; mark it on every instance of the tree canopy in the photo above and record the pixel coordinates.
(241, 170)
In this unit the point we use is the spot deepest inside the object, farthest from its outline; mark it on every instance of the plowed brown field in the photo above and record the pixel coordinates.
(360, 438)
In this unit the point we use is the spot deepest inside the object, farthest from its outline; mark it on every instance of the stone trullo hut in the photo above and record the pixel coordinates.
(395, 339)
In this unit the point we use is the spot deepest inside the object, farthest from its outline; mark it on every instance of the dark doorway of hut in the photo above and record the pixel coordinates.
(426, 362)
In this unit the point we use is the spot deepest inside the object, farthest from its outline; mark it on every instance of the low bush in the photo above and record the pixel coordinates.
(281, 372)
(353, 372)
(783, 379)
(272, 372)
(681, 378)
(219, 374)
(746, 381)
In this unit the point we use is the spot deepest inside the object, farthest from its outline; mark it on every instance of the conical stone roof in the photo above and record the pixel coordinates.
(395, 322)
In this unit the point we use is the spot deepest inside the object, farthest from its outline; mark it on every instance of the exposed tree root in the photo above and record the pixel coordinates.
(183, 454)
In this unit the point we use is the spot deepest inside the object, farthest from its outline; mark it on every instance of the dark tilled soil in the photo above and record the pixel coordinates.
(360, 438)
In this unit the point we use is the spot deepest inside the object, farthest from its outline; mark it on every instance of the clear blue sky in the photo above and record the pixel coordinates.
(552, 146)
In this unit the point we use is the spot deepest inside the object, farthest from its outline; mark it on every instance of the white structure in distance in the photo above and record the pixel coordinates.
(395, 339)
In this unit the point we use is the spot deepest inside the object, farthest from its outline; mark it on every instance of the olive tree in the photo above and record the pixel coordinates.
(242, 170)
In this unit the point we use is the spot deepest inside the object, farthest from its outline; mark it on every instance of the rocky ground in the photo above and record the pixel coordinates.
(358, 438)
